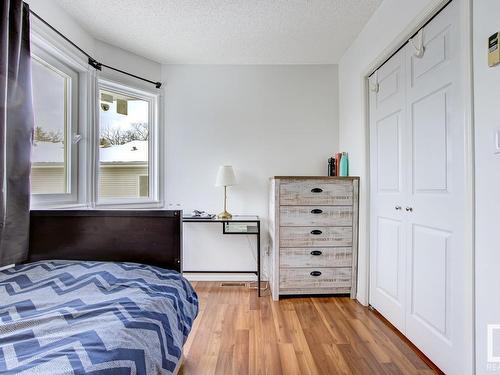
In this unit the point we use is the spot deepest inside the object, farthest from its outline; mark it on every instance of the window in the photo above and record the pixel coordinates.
(127, 127)
(55, 98)
(95, 141)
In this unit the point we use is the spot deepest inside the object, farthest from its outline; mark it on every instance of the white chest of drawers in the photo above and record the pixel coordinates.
(314, 235)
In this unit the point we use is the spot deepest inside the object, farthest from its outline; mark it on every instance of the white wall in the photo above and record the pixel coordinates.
(487, 122)
(263, 120)
(129, 62)
(63, 22)
(382, 34)
(103, 52)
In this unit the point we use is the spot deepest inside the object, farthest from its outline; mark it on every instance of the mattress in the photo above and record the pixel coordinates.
(75, 317)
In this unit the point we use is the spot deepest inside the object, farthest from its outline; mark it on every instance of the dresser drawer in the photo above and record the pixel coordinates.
(315, 192)
(303, 278)
(315, 236)
(315, 216)
(292, 257)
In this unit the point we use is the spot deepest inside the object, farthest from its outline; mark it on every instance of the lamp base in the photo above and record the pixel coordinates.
(224, 215)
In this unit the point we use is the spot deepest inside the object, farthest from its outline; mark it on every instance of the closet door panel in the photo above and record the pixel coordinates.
(435, 58)
(430, 143)
(390, 83)
(436, 264)
(388, 261)
(429, 277)
(389, 186)
(388, 148)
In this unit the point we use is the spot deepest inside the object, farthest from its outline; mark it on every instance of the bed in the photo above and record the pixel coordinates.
(101, 293)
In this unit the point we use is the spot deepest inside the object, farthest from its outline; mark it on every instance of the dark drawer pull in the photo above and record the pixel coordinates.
(316, 231)
(316, 252)
(315, 273)
(316, 190)
(316, 211)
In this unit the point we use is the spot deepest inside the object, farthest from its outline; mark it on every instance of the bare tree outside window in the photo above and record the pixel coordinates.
(53, 136)
(113, 136)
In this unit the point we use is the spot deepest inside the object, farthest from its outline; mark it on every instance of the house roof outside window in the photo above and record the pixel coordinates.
(131, 153)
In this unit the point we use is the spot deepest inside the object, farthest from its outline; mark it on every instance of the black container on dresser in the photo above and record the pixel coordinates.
(314, 235)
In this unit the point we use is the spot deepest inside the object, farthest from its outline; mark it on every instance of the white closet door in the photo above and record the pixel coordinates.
(418, 259)
(389, 190)
(436, 285)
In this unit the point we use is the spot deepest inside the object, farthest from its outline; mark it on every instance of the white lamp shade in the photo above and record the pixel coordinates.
(225, 176)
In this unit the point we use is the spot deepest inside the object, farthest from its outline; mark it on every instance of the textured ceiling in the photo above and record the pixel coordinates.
(226, 31)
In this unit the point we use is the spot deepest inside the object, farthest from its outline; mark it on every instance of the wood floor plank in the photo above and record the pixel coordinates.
(355, 361)
(238, 333)
(326, 313)
(289, 361)
(241, 352)
(336, 360)
(272, 360)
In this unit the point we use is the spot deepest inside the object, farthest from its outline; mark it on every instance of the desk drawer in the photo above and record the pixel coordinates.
(305, 278)
(291, 257)
(316, 192)
(315, 216)
(315, 236)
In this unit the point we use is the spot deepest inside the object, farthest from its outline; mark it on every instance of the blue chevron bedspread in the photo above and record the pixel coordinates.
(75, 317)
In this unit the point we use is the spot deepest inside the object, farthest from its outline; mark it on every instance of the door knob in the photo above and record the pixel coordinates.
(398, 208)
(409, 209)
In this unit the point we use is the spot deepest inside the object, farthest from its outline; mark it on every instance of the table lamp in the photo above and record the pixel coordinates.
(225, 177)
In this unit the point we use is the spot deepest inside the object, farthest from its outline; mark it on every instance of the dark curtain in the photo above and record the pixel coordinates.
(16, 130)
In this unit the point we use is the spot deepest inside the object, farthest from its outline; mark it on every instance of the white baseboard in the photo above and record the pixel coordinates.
(220, 276)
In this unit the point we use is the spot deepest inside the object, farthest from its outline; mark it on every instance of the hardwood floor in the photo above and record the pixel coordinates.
(238, 333)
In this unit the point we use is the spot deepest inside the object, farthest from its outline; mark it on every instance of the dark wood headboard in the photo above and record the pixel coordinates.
(148, 237)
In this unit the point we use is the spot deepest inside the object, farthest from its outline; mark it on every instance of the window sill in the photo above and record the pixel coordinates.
(124, 205)
(59, 206)
(150, 205)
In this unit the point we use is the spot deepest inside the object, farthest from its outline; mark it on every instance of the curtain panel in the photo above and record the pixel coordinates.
(16, 130)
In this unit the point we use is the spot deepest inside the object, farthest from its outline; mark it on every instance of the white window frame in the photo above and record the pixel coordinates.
(48, 48)
(70, 124)
(153, 98)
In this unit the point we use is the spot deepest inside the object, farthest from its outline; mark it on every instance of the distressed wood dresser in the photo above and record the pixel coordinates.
(314, 235)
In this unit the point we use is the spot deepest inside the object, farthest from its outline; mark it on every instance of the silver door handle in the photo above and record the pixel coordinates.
(409, 209)
(397, 208)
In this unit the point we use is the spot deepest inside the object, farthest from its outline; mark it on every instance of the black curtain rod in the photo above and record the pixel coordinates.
(93, 62)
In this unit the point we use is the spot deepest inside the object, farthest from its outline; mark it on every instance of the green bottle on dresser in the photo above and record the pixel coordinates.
(344, 165)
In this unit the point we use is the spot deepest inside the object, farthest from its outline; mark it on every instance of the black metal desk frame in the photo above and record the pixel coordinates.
(226, 229)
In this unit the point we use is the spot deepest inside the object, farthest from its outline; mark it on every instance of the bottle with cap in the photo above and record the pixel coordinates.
(344, 165)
